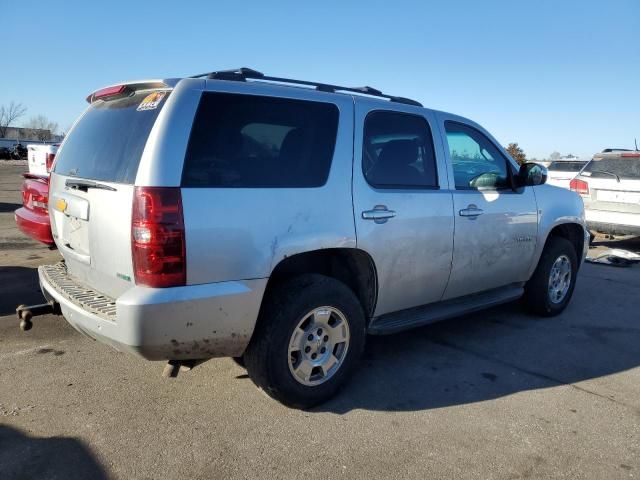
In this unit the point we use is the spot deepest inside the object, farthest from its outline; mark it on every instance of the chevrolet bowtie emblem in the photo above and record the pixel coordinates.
(61, 204)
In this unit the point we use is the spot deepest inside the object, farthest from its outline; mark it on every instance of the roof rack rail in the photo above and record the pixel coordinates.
(244, 73)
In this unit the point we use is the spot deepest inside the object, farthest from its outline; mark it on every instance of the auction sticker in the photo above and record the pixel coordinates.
(151, 101)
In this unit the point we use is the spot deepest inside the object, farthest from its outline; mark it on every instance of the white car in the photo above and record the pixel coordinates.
(561, 172)
(40, 157)
(610, 188)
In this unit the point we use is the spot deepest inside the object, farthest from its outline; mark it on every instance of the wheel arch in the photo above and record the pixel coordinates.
(573, 232)
(352, 266)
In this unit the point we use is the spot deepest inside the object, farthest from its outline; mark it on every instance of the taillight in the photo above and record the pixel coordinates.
(579, 186)
(39, 202)
(157, 237)
(32, 199)
(49, 161)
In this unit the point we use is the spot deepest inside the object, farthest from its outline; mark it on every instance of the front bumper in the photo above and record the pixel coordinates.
(180, 323)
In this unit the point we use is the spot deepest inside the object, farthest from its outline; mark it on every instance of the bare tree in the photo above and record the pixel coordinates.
(516, 153)
(9, 114)
(42, 127)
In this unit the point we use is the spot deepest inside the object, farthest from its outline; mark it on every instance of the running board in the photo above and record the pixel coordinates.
(434, 312)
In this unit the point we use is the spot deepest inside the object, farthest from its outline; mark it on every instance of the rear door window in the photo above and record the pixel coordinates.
(398, 151)
(628, 168)
(243, 141)
(107, 142)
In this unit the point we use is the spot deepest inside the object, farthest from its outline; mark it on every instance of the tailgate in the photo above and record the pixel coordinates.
(614, 185)
(92, 185)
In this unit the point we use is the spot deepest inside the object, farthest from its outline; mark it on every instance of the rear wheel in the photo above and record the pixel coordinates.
(549, 290)
(310, 335)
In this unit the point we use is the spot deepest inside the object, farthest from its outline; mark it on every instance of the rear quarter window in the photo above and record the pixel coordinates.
(244, 141)
(107, 142)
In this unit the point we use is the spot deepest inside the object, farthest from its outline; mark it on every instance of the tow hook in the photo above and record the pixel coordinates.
(27, 312)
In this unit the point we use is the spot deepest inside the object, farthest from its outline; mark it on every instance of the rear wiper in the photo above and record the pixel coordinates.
(607, 173)
(84, 185)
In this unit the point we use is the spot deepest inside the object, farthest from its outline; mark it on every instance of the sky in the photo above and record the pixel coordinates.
(550, 75)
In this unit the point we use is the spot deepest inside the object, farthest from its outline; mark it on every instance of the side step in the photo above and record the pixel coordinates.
(423, 315)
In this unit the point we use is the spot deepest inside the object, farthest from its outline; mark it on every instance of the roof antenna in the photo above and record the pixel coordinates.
(636, 140)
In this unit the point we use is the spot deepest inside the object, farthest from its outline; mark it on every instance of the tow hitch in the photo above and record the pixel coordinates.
(27, 312)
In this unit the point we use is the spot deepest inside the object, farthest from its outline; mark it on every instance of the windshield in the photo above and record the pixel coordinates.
(107, 143)
(622, 167)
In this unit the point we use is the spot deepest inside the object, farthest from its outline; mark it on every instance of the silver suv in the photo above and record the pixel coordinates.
(279, 221)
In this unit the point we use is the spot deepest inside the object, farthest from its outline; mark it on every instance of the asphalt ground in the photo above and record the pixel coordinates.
(495, 395)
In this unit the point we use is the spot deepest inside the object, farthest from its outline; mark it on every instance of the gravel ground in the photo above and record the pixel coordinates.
(495, 395)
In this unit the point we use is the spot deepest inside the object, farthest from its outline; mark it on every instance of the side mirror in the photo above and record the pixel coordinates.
(532, 174)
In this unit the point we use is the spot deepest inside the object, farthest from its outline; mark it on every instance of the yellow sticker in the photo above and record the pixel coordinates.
(151, 101)
(61, 205)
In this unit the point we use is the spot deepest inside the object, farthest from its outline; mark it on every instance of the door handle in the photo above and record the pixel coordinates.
(471, 211)
(379, 214)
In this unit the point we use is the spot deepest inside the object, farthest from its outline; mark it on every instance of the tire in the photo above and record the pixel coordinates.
(287, 308)
(539, 296)
(239, 361)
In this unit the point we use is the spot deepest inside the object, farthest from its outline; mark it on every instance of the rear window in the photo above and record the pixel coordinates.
(566, 166)
(107, 143)
(252, 141)
(622, 167)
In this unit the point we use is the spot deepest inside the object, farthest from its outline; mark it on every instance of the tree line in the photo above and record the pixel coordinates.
(41, 125)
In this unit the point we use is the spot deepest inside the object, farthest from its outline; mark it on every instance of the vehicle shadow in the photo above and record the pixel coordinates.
(9, 207)
(497, 353)
(19, 285)
(25, 457)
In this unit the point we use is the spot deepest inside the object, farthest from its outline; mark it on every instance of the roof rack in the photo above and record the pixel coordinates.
(244, 73)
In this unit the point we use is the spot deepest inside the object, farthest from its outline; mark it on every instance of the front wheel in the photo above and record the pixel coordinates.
(309, 337)
(549, 290)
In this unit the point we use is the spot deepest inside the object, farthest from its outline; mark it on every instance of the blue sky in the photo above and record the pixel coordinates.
(551, 75)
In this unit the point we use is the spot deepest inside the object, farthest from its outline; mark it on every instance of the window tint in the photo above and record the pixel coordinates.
(477, 163)
(398, 151)
(622, 167)
(566, 166)
(107, 143)
(253, 141)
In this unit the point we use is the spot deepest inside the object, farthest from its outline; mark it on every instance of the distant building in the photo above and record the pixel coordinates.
(28, 135)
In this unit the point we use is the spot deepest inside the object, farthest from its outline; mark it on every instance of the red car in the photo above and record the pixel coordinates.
(33, 217)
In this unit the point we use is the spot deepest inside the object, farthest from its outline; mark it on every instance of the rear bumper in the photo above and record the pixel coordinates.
(614, 223)
(34, 225)
(191, 322)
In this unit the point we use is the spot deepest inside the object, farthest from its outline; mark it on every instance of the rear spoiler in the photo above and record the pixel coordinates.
(126, 88)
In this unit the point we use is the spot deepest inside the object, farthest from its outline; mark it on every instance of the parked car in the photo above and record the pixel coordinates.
(19, 152)
(5, 153)
(41, 157)
(610, 188)
(233, 214)
(33, 217)
(561, 172)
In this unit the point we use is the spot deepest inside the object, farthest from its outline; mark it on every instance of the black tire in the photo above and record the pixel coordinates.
(267, 356)
(239, 361)
(536, 291)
